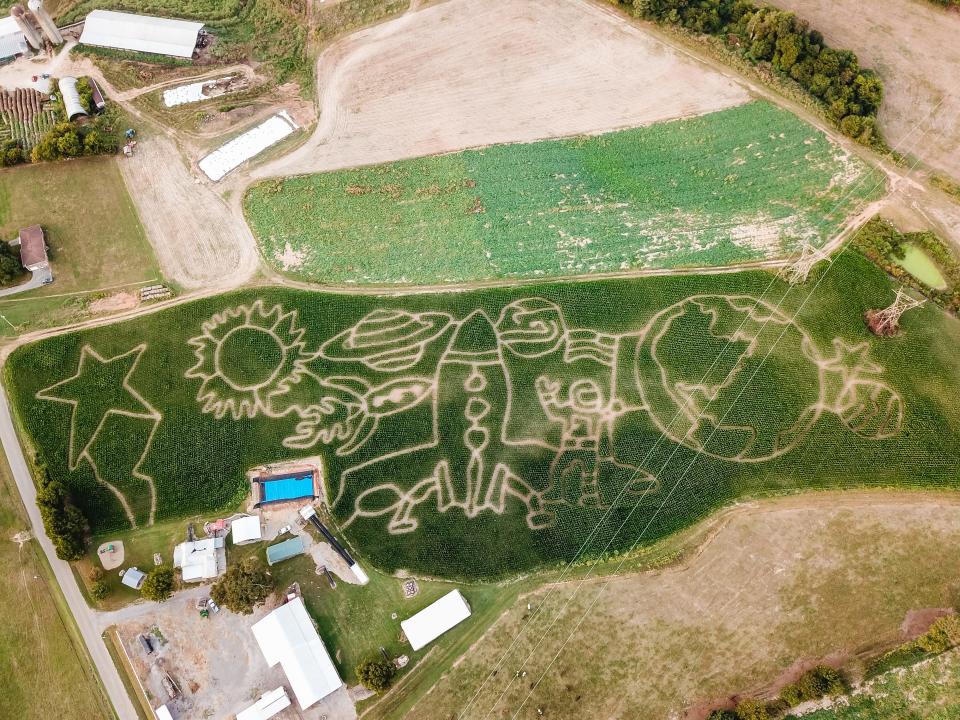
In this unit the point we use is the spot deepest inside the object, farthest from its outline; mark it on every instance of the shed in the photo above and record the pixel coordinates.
(285, 550)
(435, 619)
(269, 704)
(141, 33)
(33, 248)
(287, 636)
(200, 559)
(12, 40)
(133, 578)
(163, 713)
(246, 530)
(71, 98)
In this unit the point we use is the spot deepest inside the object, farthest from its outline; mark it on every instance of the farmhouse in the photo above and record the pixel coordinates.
(141, 33)
(287, 636)
(200, 559)
(246, 530)
(133, 578)
(33, 248)
(435, 619)
(269, 704)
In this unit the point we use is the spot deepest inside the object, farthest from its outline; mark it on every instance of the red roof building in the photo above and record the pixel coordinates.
(33, 248)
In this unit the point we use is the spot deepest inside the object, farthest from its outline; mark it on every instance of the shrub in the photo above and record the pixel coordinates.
(158, 584)
(244, 586)
(95, 574)
(64, 523)
(10, 266)
(376, 673)
(751, 709)
(98, 591)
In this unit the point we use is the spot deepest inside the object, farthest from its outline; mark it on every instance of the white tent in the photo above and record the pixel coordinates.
(435, 619)
(269, 704)
(163, 713)
(287, 636)
(201, 559)
(245, 530)
(142, 33)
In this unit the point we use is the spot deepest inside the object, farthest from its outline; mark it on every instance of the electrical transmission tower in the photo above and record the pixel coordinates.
(887, 320)
(798, 271)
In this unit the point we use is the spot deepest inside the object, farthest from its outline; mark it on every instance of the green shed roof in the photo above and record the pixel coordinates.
(285, 550)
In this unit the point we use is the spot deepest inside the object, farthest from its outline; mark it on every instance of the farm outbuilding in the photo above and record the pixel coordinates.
(435, 619)
(269, 704)
(287, 636)
(163, 713)
(71, 98)
(141, 33)
(200, 559)
(12, 40)
(285, 550)
(133, 578)
(246, 530)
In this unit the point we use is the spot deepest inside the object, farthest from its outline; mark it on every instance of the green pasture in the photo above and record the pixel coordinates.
(202, 392)
(739, 185)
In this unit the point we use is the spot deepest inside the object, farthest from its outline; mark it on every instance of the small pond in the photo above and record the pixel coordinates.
(916, 262)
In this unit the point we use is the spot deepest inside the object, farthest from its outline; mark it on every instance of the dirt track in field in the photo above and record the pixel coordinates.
(465, 73)
(914, 47)
(775, 586)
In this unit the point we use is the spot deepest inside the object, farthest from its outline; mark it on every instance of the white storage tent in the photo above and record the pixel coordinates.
(287, 636)
(246, 530)
(435, 619)
(141, 33)
(269, 704)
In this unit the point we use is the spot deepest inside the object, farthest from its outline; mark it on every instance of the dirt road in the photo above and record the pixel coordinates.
(464, 73)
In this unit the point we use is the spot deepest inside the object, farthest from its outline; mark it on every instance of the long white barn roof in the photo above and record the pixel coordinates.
(287, 636)
(435, 619)
(142, 33)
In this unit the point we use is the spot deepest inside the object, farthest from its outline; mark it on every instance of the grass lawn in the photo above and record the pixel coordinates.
(209, 389)
(44, 669)
(739, 185)
(97, 244)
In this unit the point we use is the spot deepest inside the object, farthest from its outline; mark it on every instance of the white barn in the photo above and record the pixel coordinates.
(201, 559)
(287, 636)
(141, 33)
(435, 619)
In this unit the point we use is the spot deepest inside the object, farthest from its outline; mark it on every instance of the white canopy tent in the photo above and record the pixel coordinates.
(435, 619)
(246, 530)
(141, 33)
(287, 636)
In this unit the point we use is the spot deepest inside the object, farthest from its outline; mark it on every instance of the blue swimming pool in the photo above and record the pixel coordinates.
(287, 488)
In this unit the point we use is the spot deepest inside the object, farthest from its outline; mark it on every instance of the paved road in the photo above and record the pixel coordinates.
(87, 620)
(38, 279)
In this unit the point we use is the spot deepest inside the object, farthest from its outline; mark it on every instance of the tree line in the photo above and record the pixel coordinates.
(849, 95)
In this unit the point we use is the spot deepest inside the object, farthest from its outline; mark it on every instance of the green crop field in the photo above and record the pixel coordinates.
(487, 433)
(744, 184)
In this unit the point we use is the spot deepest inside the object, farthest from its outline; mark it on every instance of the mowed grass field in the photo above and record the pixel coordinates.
(97, 244)
(743, 184)
(44, 669)
(783, 582)
(187, 399)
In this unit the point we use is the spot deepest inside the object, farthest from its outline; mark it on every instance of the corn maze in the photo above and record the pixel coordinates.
(25, 116)
(490, 432)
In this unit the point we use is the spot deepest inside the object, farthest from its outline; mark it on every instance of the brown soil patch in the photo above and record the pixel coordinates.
(111, 560)
(780, 586)
(913, 45)
(463, 73)
(917, 622)
(113, 303)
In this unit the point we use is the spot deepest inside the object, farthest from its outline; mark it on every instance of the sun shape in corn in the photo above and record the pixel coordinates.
(246, 356)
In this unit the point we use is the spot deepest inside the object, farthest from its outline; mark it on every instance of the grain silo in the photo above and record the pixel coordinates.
(26, 27)
(45, 22)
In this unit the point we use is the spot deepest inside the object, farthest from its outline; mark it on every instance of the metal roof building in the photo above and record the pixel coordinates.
(141, 33)
(71, 98)
(285, 550)
(269, 704)
(287, 636)
(246, 530)
(200, 559)
(12, 40)
(435, 619)
(133, 578)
